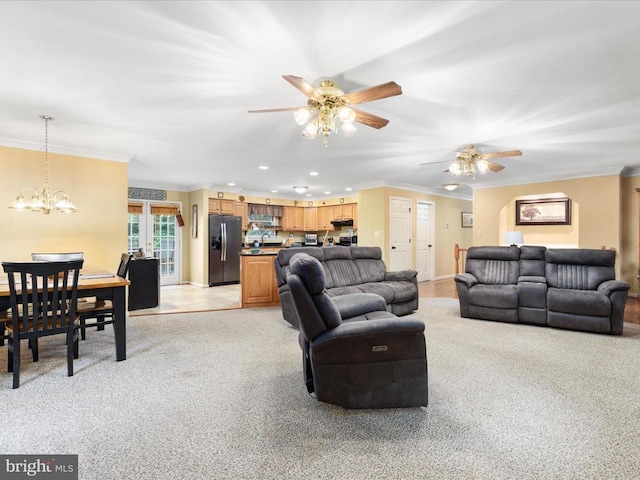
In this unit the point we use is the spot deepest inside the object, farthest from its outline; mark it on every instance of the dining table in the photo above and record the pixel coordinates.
(108, 287)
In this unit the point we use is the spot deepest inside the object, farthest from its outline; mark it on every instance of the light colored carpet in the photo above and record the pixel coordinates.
(219, 395)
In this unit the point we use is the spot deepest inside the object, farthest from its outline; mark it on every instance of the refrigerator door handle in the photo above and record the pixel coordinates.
(224, 242)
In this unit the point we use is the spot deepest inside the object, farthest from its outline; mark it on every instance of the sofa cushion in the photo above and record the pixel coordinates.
(494, 296)
(494, 272)
(532, 260)
(494, 265)
(370, 269)
(380, 288)
(402, 291)
(578, 302)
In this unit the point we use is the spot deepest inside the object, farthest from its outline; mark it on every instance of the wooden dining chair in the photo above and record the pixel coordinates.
(99, 312)
(43, 302)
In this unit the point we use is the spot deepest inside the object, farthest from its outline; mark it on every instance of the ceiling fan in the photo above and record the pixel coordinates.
(470, 160)
(328, 103)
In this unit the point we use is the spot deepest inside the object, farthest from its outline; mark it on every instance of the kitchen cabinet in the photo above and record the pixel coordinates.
(311, 219)
(325, 215)
(343, 211)
(240, 209)
(258, 281)
(293, 219)
(221, 206)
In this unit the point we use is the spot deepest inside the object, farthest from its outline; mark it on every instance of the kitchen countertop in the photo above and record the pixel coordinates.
(249, 254)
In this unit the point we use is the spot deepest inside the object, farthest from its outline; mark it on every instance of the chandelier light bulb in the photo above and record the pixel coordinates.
(483, 166)
(302, 115)
(348, 128)
(311, 130)
(346, 114)
(455, 169)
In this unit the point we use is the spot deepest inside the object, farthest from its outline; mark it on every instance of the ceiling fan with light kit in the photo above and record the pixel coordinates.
(471, 160)
(328, 104)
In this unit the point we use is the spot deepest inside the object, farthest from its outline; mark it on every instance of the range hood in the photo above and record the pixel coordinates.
(342, 223)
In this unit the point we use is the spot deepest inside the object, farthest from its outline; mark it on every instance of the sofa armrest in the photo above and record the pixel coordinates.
(532, 279)
(401, 276)
(380, 340)
(355, 304)
(611, 286)
(467, 279)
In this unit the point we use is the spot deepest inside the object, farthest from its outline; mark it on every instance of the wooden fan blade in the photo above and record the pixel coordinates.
(385, 90)
(287, 109)
(370, 120)
(511, 153)
(494, 167)
(302, 85)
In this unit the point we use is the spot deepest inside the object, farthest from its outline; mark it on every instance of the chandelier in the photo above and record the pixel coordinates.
(469, 162)
(321, 116)
(43, 198)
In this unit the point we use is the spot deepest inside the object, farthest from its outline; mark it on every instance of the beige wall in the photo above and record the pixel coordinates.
(597, 216)
(97, 187)
(373, 222)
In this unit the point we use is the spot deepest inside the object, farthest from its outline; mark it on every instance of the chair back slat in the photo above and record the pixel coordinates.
(50, 306)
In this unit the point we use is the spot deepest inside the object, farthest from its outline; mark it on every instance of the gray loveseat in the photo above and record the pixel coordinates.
(566, 288)
(351, 270)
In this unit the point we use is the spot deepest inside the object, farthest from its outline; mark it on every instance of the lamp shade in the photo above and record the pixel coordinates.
(514, 238)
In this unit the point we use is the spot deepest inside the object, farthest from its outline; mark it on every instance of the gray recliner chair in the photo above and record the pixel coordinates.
(355, 353)
(489, 287)
(583, 293)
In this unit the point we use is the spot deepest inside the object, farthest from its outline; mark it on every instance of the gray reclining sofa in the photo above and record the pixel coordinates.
(573, 288)
(351, 270)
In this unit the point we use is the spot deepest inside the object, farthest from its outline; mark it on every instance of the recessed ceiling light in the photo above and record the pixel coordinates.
(327, 192)
(450, 186)
(348, 189)
(231, 184)
(263, 167)
(308, 194)
(274, 191)
(313, 174)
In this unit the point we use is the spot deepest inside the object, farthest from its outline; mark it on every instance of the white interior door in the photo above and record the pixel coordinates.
(158, 236)
(400, 255)
(424, 241)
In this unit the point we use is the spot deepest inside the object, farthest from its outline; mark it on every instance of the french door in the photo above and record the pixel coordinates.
(153, 227)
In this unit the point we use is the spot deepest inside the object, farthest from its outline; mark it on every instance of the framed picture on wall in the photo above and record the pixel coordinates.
(543, 211)
(467, 220)
(194, 222)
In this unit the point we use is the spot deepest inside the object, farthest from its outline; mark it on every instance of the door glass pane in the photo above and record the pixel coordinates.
(134, 233)
(164, 243)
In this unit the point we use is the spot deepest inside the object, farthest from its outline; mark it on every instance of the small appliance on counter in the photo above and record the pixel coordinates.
(348, 240)
(311, 239)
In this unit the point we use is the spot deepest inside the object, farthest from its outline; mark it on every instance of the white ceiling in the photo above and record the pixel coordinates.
(166, 86)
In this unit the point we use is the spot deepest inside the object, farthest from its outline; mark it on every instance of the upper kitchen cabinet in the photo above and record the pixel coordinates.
(311, 219)
(240, 210)
(343, 211)
(222, 207)
(293, 219)
(218, 206)
(325, 215)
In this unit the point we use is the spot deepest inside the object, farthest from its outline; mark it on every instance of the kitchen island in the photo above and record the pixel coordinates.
(258, 279)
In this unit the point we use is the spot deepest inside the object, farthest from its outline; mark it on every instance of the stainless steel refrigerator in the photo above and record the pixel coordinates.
(225, 245)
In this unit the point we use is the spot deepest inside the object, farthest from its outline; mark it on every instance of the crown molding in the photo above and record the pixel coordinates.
(555, 177)
(62, 150)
